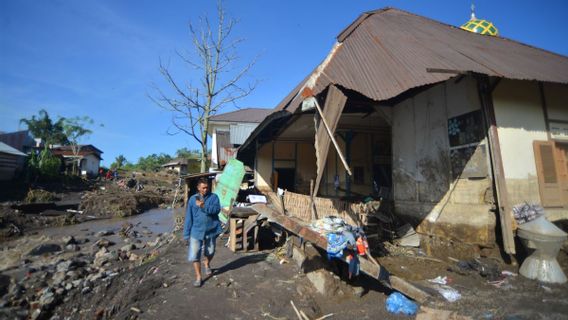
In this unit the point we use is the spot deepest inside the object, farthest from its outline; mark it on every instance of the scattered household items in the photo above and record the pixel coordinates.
(449, 293)
(343, 241)
(545, 239)
(439, 280)
(527, 212)
(397, 303)
(253, 198)
(486, 268)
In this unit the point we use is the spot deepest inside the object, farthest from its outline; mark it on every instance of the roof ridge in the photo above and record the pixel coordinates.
(355, 24)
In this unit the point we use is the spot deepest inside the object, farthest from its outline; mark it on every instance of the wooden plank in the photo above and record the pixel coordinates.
(366, 266)
(233, 234)
(505, 209)
(334, 103)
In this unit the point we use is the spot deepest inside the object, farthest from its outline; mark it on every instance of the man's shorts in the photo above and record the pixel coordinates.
(195, 248)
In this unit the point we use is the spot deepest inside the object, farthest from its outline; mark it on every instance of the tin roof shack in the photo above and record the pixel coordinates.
(452, 126)
(11, 161)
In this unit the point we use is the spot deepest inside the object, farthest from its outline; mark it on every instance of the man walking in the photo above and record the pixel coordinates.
(202, 226)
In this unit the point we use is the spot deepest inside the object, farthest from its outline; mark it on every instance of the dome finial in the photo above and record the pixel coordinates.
(479, 25)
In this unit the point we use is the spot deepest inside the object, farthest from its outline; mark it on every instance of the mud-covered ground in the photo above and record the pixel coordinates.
(57, 205)
(133, 269)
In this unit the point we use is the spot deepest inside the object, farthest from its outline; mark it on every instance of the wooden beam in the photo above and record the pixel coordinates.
(368, 267)
(505, 209)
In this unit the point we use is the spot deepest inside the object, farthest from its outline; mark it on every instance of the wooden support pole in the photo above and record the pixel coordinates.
(504, 207)
(332, 138)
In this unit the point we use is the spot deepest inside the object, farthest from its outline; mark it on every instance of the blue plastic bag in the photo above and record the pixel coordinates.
(398, 303)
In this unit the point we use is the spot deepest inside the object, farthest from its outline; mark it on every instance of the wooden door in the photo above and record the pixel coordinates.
(561, 155)
(547, 166)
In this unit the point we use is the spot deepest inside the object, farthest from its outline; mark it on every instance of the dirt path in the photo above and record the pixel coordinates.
(244, 286)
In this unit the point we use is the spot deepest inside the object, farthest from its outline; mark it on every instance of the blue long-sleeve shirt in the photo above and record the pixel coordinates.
(201, 223)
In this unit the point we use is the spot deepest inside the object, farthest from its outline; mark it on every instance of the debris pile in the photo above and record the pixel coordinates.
(54, 271)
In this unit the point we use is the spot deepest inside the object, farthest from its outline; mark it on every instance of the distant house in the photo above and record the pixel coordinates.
(230, 130)
(11, 160)
(89, 158)
(177, 165)
(20, 140)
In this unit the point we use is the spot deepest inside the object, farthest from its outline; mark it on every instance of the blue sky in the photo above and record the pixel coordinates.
(99, 58)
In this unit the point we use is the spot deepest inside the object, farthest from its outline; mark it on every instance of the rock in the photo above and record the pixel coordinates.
(47, 299)
(101, 252)
(103, 233)
(58, 278)
(68, 286)
(104, 243)
(66, 266)
(128, 247)
(72, 274)
(86, 290)
(4, 284)
(36, 314)
(133, 257)
(104, 258)
(44, 249)
(72, 247)
(76, 283)
(323, 282)
(69, 240)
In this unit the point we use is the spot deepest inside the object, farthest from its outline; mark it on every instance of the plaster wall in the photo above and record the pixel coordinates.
(425, 192)
(520, 121)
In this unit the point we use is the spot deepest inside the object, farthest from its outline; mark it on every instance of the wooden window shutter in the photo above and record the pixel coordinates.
(548, 180)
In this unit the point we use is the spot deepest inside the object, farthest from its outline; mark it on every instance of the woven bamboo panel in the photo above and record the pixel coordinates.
(298, 205)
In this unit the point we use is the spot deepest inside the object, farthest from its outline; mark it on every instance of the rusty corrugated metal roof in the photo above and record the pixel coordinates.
(387, 52)
(253, 115)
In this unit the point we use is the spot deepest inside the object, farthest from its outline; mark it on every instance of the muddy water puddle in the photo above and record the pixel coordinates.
(145, 229)
(147, 224)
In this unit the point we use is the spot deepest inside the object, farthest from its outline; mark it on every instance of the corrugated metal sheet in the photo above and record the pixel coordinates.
(240, 132)
(255, 115)
(387, 52)
(6, 149)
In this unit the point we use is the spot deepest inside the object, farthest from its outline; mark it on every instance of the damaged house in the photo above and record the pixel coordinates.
(451, 128)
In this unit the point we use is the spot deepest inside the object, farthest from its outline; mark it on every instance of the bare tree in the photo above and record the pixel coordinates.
(219, 80)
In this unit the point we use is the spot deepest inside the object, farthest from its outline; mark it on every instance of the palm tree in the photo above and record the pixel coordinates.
(119, 161)
(44, 128)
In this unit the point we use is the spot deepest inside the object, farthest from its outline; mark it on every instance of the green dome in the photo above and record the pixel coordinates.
(480, 26)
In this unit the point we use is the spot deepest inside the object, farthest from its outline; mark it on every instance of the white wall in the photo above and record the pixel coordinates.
(520, 121)
(90, 165)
